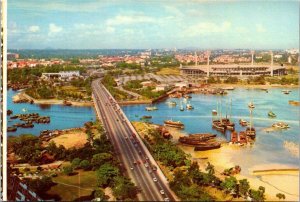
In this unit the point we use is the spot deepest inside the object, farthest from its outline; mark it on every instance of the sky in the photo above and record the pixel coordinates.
(151, 24)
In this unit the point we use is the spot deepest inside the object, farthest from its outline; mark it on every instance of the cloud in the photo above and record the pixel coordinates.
(34, 28)
(205, 28)
(260, 28)
(53, 29)
(129, 20)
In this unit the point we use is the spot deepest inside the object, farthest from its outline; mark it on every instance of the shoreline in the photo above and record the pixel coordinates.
(22, 95)
(253, 86)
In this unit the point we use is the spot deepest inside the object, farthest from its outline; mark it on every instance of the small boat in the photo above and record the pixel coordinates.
(24, 110)
(219, 126)
(151, 108)
(286, 92)
(181, 107)
(189, 106)
(251, 105)
(243, 122)
(14, 117)
(197, 138)
(175, 124)
(271, 114)
(67, 103)
(207, 146)
(9, 112)
(214, 112)
(228, 88)
(281, 125)
(187, 96)
(250, 132)
(146, 117)
(11, 129)
(294, 103)
(172, 103)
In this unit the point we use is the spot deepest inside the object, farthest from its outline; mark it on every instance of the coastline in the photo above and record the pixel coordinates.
(252, 86)
(276, 178)
(22, 95)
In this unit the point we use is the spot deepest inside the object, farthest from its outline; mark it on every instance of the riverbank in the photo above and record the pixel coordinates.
(23, 96)
(284, 180)
(252, 86)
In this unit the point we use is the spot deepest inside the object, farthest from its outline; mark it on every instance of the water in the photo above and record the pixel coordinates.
(62, 117)
(268, 147)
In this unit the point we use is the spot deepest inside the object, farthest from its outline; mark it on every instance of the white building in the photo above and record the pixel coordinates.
(161, 87)
(68, 74)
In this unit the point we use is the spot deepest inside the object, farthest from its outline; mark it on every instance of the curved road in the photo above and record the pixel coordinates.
(135, 157)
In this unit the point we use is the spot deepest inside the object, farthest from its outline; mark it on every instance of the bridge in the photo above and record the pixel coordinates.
(136, 159)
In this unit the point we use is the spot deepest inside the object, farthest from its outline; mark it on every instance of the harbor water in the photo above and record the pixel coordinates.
(268, 146)
(62, 117)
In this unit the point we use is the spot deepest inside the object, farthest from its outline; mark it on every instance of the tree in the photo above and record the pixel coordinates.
(40, 186)
(230, 185)
(75, 163)
(68, 170)
(210, 168)
(244, 187)
(99, 194)
(85, 164)
(194, 168)
(124, 189)
(105, 174)
(257, 195)
(99, 159)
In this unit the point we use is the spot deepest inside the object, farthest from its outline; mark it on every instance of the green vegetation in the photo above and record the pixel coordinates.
(124, 65)
(109, 82)
(280, 196)
(147, 92)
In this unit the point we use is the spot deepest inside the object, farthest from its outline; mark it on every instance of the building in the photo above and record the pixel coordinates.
(12, 56)
(62, 75)
(161, 87)
(241, 70)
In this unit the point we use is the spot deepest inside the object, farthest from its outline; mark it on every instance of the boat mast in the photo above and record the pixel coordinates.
(230, 108)
(226, 105)
(221, 111)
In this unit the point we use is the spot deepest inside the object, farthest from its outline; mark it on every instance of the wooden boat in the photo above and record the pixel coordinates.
(207, 146)
(294, 103)
(14, 117)
(197, 138)
(187, 96)
(11, 129)
(243, 122)
(175, 124)
(146, 117)
(280, 125)
(151, 108)
(229, 125)
(67, 103)
(216, 124)
(9, 112)
(250, 132)
(271, 114)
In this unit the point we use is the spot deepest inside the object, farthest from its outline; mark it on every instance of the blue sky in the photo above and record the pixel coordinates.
(204, 24)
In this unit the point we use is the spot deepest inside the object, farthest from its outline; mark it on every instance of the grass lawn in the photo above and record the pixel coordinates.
(169, 71)
(73, 187)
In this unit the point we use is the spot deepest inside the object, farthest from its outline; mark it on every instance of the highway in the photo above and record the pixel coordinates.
(139, 164)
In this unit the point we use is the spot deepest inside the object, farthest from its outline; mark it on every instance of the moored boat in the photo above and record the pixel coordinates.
(11, 129)
(294, 103)
(67, 103)
(197, 138)
(175, 124)
(280, 125)
(172, 103)
(243, 122)
(207, 146)
(219, 126)
(214, 112)
(151, 108)
(251, 105)
(250, 132)
(146, 117)
(271, 114)
(189, 106)
(286, 92)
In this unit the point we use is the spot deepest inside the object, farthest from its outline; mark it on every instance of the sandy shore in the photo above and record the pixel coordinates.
(71, 138)
(281, 181)
(23, 95)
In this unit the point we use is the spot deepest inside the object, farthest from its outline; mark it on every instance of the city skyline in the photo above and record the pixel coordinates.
(153, 24)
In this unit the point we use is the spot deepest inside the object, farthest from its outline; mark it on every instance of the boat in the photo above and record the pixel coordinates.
(172, 103)
(151, 108)
(207, 146)
(175, 124)
(250, 132)
(24, 110)
(280, 125)
(243, 122)
(251, 105)
(294, 103)
(181, 107)
(228, 88)
(214, 112)
(67, 103)
(189, 106)
(271, 114)
(286, 92)
(197, 138)
(219, 126)
(14, 117)
(11, 129)
(187, 96)
(9, 112)
(146, 117)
